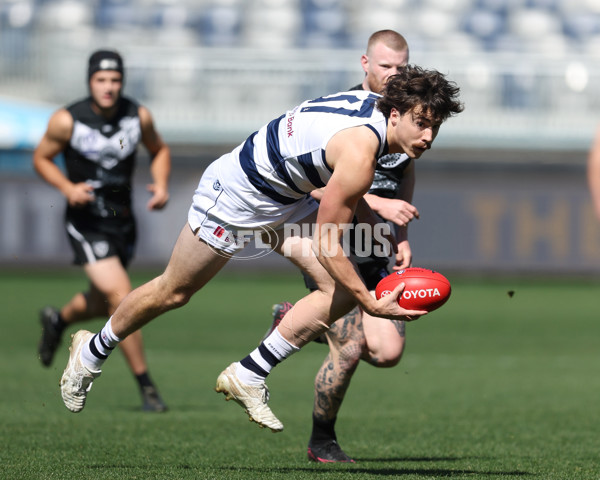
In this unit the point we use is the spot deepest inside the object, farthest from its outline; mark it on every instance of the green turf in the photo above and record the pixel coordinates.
(490, 387)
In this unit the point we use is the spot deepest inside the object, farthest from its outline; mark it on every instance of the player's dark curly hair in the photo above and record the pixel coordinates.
(414, 87)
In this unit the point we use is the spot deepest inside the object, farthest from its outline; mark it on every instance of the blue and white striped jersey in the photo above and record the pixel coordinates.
(285, 159)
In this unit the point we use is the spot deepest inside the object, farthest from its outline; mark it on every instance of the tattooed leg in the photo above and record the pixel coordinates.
(346, 345)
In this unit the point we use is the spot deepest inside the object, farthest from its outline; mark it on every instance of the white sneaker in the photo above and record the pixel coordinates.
(77, 379)
(253, 398)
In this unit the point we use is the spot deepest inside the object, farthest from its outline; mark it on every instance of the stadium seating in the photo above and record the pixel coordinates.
(194, 60)
(323, 23)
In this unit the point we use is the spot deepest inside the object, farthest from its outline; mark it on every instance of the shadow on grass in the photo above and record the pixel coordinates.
(353, 469)
(417, 459)
(348, 469)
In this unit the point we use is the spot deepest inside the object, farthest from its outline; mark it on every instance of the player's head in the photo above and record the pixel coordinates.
(416, 102)
(387, 52)
(105, 78)
(415, 87)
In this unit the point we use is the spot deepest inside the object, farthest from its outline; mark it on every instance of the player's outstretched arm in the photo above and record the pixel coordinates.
(351, 154)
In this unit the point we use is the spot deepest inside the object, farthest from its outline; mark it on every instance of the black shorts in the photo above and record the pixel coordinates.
(371, 272)
(91, 244)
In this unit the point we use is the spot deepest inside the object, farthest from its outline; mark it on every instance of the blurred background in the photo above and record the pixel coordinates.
(502, 191)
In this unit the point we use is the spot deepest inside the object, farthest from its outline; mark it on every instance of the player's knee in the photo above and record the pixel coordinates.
(388, 356)
(389, 362)
(178, 298)
(170, 293)
(391, 357)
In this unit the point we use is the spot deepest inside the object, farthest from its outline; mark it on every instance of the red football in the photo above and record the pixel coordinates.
(424, 290)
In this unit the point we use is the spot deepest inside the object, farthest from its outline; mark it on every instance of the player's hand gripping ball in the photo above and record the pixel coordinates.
(424, 289)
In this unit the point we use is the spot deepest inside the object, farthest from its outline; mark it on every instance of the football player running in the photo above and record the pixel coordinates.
(99, 136)
(263, 184)
(358, 335)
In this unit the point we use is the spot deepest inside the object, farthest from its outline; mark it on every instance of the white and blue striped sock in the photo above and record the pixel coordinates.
(253, 369)
(97, 350)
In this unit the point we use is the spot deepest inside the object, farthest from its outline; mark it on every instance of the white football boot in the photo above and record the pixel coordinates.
(77, 380)
(252, 398)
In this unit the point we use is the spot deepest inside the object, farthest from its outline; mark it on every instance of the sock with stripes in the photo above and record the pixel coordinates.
(97, 350)
(253, 369)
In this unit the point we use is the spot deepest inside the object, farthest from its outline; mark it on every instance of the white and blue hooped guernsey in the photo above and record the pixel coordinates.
(266, 180)
(285, 159)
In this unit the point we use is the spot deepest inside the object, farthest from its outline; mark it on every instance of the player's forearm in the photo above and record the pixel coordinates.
(348, 278)
(331, 255)
(160, 168)
(374, 202)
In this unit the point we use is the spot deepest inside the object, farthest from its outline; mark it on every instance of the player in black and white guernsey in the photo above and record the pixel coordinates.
(98, 137)
(261, 187)
(102, 155)
(358, 335)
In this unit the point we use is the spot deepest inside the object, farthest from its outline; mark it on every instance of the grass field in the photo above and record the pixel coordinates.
(490, 387)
